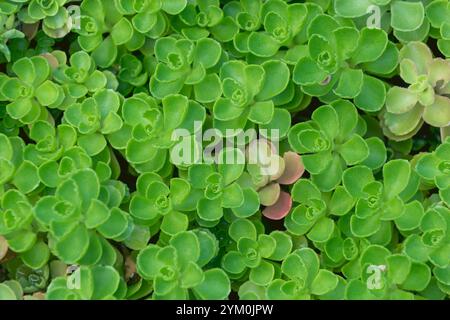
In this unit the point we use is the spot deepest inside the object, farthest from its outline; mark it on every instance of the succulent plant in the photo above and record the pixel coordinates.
(425, 100)
(378, 203)
(405, 16)
(255, 252)
(95, 117)
(335, 60)
(31, 90)
(7, 32)
(435, 167)
(204, 17)
(304, 278)
(280, 23)
(269, 171)
(247, 93)
(313, 216)
(437, 13)
(183, 62)
(331, 141)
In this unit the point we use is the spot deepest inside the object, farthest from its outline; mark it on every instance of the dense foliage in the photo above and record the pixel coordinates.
(348, 196)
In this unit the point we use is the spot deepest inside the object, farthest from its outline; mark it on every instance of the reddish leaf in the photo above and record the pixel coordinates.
(294, 168)
(280, 209)
(269, 195)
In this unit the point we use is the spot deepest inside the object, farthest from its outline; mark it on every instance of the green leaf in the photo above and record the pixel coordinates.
(233, 262)
(377, 153)
(354, 151)
(24, 69)
(231, 164)
(324, 282)
(386, 63)
(416, 249)
(225, 110)
(192, 276)
(263, 274)
(365, 227)
(22, 241)
(105, 281)
(73, 245)
(147, 264)
(37, 256)
(241, 228)
(250, 205)
(438, 113)
(209, 89)
(215, 286)
(341, 202)
(276, 79)
(355, 179)
(173, 7)
(400, 100)
(26, 177)
(187, 247)
(327, 119)
(357, 290)
(371, 45)
(329, 178)
(262, 44)
(6, 293)
(322, 230)
(233, 196)
(407, 16)
(122, 32)
(48, 93)
(418, 277)
(210, 210)
(174, 222)
(307, 72)
(105, 54)
(352, 8)
(398, 267)
(350, 84)
(261, 112)
(411, 218)
(396, 175)
(283, 245)
(116, 224)
(175, 108)
(207, 52)
(442, 274)
(372, 96)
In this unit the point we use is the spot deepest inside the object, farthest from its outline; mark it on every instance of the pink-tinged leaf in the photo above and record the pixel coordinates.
(51, 59)
(269, 195)
(445, 132)
(280, 209)
(260, 151)
(276, 167)
(294, 168)
(3, 247)
(30, 30)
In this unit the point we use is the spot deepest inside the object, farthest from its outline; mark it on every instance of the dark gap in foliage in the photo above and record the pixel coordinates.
(125, 174)
(305, 115)
(432, 44)
(24, 135)
(427, 139)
